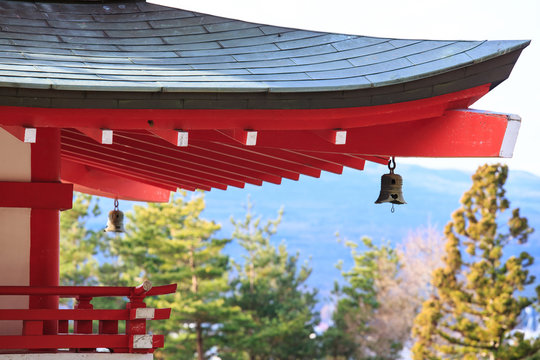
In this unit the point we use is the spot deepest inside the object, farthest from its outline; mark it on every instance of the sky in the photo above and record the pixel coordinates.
(422, 19)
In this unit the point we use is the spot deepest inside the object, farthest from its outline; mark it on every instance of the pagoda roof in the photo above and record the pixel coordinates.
(136, 46)
(128, 83)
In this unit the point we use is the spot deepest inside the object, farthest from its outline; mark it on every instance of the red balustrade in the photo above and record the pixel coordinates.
(82, 338)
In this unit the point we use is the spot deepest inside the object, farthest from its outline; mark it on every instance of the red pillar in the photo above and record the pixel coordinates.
(45, 224)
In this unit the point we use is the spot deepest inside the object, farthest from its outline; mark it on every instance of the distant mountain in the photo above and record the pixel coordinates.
(315, 209)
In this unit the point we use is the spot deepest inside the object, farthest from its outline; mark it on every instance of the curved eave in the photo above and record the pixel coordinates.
(139, 47)
(129, 83)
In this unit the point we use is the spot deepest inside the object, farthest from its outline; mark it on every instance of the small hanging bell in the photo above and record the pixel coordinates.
(116, 220)
(391, 187)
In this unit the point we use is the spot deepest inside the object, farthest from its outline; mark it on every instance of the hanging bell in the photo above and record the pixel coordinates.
(116, 220)
(391, 187)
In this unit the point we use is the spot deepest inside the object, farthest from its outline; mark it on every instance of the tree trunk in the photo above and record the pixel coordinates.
(200, 349)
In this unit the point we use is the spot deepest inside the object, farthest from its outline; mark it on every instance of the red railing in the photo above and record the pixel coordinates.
(82, 338)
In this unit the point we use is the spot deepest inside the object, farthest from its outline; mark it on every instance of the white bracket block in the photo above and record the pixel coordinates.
(340, 137)
(30, 135)
(142, 341)
(510, 136)
(182, 139)
(251, 138)
(106, 137)
(145, 313)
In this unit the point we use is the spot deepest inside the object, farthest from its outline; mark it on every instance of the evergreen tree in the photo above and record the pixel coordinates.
(170, 243)
(362, 329)
(338, 341)
(476, 306)
(79, 245)
(270, 288)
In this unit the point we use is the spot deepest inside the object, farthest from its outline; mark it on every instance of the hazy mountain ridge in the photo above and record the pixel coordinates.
(315, 209)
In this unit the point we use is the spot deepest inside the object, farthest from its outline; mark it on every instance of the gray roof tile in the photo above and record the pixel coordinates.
(135, 46)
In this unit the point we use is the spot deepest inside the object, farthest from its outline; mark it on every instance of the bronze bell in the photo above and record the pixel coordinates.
(391, 187)
(116, 220)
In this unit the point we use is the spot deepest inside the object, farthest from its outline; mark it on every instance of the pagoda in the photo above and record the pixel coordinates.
(132, 100)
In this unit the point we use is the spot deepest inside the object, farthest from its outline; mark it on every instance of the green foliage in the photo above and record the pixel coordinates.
(476, 306)
(170, 243)
(78, 245)
(356, 332)
(269, 288)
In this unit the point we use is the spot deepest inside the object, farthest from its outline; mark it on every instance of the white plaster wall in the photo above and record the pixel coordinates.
(15, 165)
(15, 158)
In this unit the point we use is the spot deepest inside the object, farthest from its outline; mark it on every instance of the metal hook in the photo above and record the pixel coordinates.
(392, 164)
(115, 204)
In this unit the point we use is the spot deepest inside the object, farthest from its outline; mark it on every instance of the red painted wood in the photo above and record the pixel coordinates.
(194, 154)
(108, 327)
(64, 341)
(36, 195)
(92, 291)
(145, 176)
(338, 159)
(96, 134)
(17, 131)
(171, 136)
(141, 165)
(186, 157)
(32, 327)
(456, 134)
(128, 173)
(83, 326)
(63, 325)
(45, 224)
(74, 314)
(257, 161)
(294, 119)
(104, 183)
(159, 163)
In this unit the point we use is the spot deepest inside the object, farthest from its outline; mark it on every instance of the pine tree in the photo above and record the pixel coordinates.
(171, 243)
(360, 319)
(270, 288)
(79, 245)
(476, 305)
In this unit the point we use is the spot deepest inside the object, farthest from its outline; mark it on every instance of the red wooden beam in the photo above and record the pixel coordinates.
(99, 159)
(141, 160)
(121, 169)
(244, 137)
(274, 157)
(36, 195)
(175, 137)
(91, 291)
(73, 341)
(75, 314)
(131, 175)
(204, 152)
(459, 133)
(257, 160)
(339, 159)
(311, 165)
(297, 119)
(98, 182)
(167, 156)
